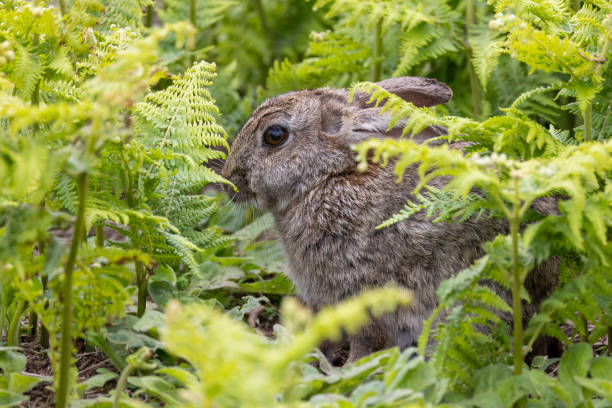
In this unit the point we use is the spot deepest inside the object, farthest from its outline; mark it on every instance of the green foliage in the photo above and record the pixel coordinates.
(112, 126)
(266, 369)
(529, 162)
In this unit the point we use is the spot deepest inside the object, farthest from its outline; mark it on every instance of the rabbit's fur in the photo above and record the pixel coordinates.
(325, 209)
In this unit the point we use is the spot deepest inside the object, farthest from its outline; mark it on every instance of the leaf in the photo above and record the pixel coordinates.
(98, 380)
(279, 285)
(149, 320)
(601, 367)
(158, 387)
(574, 365)
(11, 361)
(599, 386)
(486, 49)
(10, 399)
(133, 340)
(185, 377)
(161, 292)
(20, 383)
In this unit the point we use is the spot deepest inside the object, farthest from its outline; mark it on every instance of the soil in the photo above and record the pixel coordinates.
(39, 364)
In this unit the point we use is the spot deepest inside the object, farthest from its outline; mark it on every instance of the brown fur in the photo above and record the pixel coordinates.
(326, 211)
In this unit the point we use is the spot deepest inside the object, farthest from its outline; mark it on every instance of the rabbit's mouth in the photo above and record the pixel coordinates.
(243, 195)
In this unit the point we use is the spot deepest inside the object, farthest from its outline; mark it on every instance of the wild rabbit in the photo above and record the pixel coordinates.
(293, 157)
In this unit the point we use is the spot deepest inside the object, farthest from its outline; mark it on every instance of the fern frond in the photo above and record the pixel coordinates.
(562, 136)
(486, 49)
(410, 209)
(208, 12)
(28, 71)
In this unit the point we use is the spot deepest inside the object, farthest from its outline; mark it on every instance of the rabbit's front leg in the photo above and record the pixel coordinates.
(379, 334)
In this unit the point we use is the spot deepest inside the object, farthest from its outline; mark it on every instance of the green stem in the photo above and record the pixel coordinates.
(66, 340)
(12, 337)
(33, 324)
(62, 6)
(475, 88)
(35, 101)
(141, 279)
(192, 13)
(149, 17)
(121, 384)
(609, 341)
(588, 123)
(2, 309)
(136, 360)
(100, 236)
(588, 112)
(44, 332)
(378, 57)
(584, 336)
(516, 283)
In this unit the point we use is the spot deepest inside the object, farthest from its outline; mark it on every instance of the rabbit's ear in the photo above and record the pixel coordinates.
(417, 90)
(368, 122)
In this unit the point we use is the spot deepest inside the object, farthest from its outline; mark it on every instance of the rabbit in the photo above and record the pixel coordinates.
(293, 158)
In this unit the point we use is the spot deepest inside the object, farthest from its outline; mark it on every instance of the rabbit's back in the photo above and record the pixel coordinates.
(334, 249)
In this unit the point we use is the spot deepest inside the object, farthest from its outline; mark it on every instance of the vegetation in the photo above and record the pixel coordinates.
(116, 240)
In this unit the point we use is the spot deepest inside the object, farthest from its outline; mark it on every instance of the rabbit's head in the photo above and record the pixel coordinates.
(296, 140)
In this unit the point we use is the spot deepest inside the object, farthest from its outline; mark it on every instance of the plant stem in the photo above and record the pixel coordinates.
(100, 236)
(44, 333)
(149, 17)
(475, 88)
(12, 337)
(378, 57)
(2, 309)
(516, 283)
(588, 123)
(62, 5)
(66, 340)
(588, 112)
(121, 384)
(141, 279)
(136, 360)
(192, 13)
(35, 100)
(33, 324)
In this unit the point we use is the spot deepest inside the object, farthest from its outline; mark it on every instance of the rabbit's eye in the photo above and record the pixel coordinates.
(275, 135)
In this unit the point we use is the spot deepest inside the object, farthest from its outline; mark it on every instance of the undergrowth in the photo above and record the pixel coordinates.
(114, 231)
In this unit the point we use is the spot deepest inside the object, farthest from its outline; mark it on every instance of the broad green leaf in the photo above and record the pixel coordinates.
(181, 374)
(149, 320)
(97, 380)
(575, 364)
(10, 399)
(11, 361)
(20, 383)
(278, 285)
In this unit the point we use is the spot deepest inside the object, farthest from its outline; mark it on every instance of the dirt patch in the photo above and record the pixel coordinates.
(88, 361)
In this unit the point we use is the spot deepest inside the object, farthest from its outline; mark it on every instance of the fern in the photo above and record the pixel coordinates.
(409, 209)
(443, 205)
(207, 12)
(181, 118)
(124, 14)
(486, 49)
(329, 55)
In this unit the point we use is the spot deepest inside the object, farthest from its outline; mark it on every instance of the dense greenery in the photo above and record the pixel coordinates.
(113, 229)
